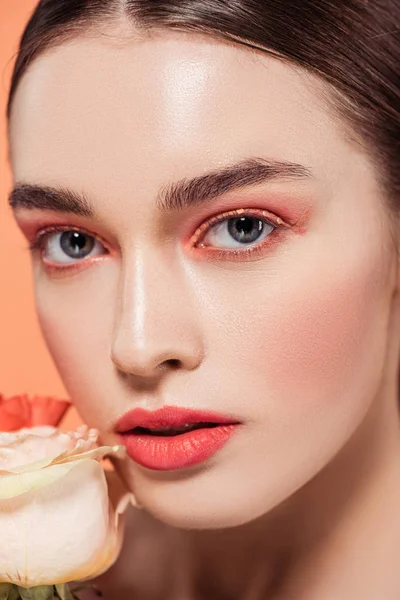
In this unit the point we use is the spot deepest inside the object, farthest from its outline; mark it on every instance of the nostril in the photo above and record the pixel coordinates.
(173, 363)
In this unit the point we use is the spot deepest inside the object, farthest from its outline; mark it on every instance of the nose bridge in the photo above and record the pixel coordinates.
(156, 316)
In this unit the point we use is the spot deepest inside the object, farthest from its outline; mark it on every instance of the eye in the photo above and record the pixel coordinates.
(237, 232)
(69, 246)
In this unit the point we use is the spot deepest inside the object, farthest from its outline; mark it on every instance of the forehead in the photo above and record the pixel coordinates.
(153, 108)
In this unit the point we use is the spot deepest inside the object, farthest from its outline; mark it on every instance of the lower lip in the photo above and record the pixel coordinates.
(169, 453)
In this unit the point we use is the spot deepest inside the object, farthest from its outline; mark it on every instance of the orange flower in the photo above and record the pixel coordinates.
(17, 412)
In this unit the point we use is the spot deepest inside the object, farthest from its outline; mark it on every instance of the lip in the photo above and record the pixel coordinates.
(169, 453)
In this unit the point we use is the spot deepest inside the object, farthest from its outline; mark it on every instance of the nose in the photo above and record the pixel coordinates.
(156, 329)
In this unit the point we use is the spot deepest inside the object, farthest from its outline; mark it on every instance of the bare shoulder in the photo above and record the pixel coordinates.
(146, 567)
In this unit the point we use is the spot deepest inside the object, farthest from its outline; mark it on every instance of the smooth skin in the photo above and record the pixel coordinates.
(296, 335)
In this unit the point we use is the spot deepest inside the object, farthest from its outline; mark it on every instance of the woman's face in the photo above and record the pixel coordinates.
(277, 319)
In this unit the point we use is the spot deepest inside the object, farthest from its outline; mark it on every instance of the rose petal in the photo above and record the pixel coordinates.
(38, 447)
(67, 457)
(7, 438)
(47, 411)
(13, 485)
(15, 413)
(21, 411)
(120, 498)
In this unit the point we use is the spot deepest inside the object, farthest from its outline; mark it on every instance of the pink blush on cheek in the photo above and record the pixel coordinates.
(324, 343)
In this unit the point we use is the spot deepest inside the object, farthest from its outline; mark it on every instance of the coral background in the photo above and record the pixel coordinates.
(25, 364)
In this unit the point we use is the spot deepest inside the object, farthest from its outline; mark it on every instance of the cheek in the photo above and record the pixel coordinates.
(323, 335)
(314, 338)
(76, 319)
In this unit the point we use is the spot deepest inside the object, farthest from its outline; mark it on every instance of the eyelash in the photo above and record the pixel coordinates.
(258, 248)
(224, 254)
(41, 237)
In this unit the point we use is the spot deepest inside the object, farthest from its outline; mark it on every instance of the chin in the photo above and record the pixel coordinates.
(203, 516)
(198, 499)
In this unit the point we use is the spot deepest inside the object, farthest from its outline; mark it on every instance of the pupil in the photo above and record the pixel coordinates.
(75, 244)
(245, 229)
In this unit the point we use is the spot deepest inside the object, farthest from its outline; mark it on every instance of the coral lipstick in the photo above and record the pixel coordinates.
(173, 438)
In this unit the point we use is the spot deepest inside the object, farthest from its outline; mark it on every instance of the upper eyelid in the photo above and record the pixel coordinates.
(268, 216)
(54, 229)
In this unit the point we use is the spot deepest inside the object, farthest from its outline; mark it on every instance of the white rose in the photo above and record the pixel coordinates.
(59, 509)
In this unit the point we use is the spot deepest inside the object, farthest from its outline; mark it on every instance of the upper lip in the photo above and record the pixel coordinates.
(168, 416)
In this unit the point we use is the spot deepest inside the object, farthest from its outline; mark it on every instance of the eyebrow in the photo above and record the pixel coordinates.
(176, 196)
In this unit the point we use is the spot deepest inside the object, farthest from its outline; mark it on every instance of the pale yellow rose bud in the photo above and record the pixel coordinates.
(60, 512)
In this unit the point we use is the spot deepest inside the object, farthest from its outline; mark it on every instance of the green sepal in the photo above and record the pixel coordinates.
(63, 591)
(40, 592)
(9, 591)
(14, 593)
(5, 590)
(85, 586)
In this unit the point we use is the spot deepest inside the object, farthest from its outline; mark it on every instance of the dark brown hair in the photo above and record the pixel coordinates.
(353, 45)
